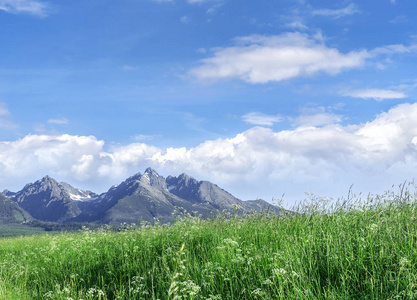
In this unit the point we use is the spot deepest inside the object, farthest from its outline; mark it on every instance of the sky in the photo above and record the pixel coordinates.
(267, 99)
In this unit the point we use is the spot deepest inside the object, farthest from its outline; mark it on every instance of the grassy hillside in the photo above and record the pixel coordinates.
(362, 252)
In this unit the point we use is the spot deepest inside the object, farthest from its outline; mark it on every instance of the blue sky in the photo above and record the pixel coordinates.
(260, 97)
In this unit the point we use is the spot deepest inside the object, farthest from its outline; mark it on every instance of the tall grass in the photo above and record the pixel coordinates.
(356, 250)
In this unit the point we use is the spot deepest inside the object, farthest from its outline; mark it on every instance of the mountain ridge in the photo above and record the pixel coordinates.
(141, 197)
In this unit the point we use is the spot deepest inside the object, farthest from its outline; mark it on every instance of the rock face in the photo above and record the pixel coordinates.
(141, 197)
(206, 192)
(48, 200)
(11, 212)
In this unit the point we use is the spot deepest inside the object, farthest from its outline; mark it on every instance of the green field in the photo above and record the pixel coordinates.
(9, 230)
(362, 251)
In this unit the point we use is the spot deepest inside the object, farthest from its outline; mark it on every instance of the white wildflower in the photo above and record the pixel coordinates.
(231, 242)
(279, 272)
(256, 291)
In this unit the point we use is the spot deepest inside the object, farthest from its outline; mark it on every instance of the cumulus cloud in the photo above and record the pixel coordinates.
(330, 158)
(337, 13)
(32, 7)
(57, 154)
(376, 94)
(262, 59)
(257, 118)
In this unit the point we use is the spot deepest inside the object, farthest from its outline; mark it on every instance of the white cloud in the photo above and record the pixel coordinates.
(257, 118)
(3, 110)
(399, 19)
(337, 13)
(394, 49)
(5, 120)
(60, 121)
(317, 116)
(262, 59)
(296, 25)
(200, 1)
(257, 162)
(376, 94)
(317, 119)
(47, 154)
(185, 19)
(32, 7)
(142, 137)
(129, 68)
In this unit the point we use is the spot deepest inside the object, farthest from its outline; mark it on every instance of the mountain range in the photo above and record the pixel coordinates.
(141, 197)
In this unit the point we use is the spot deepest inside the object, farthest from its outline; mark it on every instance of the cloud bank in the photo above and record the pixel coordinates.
(258, 161)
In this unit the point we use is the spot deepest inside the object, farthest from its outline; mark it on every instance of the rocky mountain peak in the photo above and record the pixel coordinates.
(181, 182)
(77, 194)
(47, 180)
(133, 178)
(140, 197)
(8, 193)
(46, 199)
(42, 185)
(152, 178)
(187, 179)
(151, 171)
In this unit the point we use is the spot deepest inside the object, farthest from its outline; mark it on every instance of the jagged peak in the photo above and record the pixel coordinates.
(183, 175)
(152, 178)
(137, 176)
(187, 178)
(47, 178)
(151, 171)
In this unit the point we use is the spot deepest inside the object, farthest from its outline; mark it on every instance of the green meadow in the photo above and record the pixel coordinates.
(353, 249)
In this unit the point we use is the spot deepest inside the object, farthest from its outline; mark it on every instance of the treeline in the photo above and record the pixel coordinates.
(52, 226)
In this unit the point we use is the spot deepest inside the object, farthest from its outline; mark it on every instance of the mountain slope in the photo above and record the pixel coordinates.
(195, 191)
(141, 197)
(11, 212)
(48, 200)
(144, 198)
